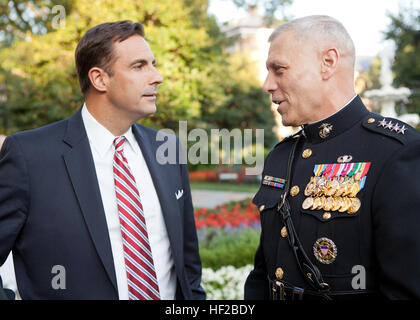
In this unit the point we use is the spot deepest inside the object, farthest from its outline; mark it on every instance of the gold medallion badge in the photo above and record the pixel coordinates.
(325, 250)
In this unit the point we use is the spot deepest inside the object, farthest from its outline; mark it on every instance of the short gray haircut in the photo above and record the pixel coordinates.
(319, 26)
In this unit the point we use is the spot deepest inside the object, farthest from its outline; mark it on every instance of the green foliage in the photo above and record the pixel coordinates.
(374, 73)
(202, 84)
(42, 82)
(18, 18)
(245, 105)
(219, 247)
(404, 30)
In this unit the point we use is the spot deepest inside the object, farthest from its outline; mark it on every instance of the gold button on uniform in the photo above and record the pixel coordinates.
(326, 215)
(306, 153)
(283, 232)
(371, 120)
(262, 207)
(279, 273)
(294, 191)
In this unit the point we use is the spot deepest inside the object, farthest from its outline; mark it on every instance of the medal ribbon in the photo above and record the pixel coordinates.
(364, 171)
(321, 168)
(362, 183)
(341, 168)
(327, 170)
(346, 169)
(359, 171)
(316, 168)
(356, 167)
(335, 170)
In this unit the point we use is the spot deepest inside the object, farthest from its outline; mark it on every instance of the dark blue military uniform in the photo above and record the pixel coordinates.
(364, 240)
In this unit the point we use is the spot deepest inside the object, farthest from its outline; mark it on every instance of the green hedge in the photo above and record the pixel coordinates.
(219, 247)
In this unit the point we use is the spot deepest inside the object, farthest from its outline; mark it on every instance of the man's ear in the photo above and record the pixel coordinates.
(329, 60)
(99, 79)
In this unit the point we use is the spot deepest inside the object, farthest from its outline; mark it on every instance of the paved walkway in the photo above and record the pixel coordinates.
(211, 198)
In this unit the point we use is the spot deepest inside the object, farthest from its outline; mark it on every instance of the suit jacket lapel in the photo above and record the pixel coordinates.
(81, 169)
(161, 179)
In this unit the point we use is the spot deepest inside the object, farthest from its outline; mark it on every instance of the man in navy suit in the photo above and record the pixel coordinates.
(86, 206)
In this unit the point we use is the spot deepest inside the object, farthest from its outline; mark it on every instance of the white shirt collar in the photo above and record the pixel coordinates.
(101, 138)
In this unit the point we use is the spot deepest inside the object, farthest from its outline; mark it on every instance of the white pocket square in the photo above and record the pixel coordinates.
(179, 193)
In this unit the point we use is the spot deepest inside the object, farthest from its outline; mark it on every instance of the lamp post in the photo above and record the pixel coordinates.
(3, 99)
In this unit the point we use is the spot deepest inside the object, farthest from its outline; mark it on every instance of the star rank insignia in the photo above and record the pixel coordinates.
(396, 127)
(389, 125)
(382, 123)
(402, 129)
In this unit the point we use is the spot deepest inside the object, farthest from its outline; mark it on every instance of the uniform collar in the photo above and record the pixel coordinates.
(337, 123)
(101, 138)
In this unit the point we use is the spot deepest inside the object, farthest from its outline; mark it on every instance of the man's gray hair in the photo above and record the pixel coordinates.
(316, 27)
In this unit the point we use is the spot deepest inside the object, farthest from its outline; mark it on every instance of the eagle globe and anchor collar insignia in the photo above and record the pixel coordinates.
(339, 122)
(325, 250)
(325, 131)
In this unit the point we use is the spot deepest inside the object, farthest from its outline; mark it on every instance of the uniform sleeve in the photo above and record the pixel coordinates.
(396, 223)
(14, 195)
(256, 285)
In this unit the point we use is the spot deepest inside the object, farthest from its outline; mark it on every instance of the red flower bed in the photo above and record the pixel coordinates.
(203, 175)
(232, 214)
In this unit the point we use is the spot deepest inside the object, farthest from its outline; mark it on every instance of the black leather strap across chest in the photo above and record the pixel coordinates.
(309, 271)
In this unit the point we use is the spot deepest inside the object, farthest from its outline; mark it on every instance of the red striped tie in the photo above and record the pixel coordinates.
(141, 276)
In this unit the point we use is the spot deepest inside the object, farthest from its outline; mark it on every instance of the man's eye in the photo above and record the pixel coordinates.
(138, 66)
(279, 71)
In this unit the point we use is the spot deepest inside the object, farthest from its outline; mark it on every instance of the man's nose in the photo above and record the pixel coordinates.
(157, 77)
(269, 85)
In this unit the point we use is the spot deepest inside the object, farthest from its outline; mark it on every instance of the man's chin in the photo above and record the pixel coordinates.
(284, 119)
(289, 122)
(146, 111)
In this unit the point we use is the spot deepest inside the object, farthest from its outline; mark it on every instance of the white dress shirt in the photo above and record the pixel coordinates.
(101, 144)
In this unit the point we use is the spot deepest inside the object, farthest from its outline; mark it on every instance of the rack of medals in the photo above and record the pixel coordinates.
(334, 187)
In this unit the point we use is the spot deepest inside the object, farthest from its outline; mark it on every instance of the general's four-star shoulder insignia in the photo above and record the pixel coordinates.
(392, 127)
